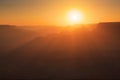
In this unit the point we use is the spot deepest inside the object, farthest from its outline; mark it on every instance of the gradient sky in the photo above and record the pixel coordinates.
(53, 12)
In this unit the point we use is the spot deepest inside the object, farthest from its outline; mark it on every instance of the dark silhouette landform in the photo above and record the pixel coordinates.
(60, 53)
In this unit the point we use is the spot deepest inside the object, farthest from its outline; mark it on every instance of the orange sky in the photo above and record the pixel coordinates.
(53, 12)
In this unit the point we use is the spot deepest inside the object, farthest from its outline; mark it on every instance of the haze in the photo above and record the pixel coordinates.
(60, 39)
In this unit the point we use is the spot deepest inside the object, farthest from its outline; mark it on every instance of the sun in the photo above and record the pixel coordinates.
(74, 17)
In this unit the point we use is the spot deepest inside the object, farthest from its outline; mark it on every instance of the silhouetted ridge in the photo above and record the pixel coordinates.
(109, 27)
(12, 37)
(66, 54)
(114, 26)
(7, 26)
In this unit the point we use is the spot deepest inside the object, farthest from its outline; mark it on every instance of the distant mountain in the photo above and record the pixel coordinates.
(112, 26)
(110, 23)
(77, 54)
(7, 26)
(12, 37)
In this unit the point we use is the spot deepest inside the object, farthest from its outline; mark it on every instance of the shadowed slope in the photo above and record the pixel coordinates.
(80, 54)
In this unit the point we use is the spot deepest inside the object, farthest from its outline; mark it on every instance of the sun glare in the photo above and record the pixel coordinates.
(74, 17)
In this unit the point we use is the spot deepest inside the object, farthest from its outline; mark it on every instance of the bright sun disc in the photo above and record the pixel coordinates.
(74, 17)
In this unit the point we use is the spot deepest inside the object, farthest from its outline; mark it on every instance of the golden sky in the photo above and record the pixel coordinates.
(53, 12)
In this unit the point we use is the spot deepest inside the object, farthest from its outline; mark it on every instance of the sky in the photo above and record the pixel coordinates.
(53, 12)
